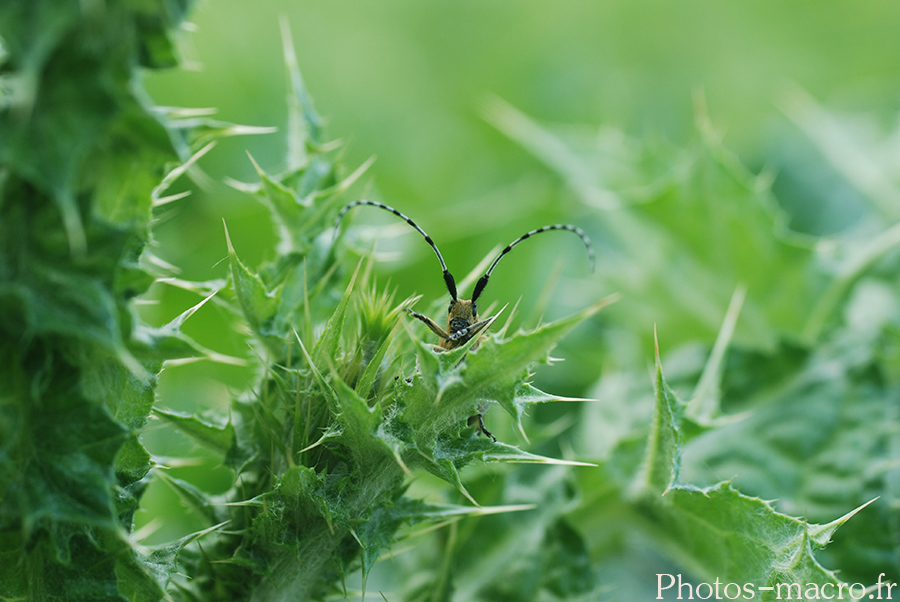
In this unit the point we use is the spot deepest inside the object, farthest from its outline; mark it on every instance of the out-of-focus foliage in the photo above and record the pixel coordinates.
(81, 161)
(803, 409)
(403, 82)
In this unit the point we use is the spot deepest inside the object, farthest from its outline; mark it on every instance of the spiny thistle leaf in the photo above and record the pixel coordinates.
(704, 406)
(495, 372)
(356, 453)
(717, 530)
(147, 576)
(304, 124)
(324, 445)
(258, 303)
(367, 380)
(721, 531)
(326, 348)
(662, 457)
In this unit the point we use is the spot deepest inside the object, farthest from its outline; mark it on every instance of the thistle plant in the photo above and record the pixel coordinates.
(351, 402)
(349, 406)
(321, 450)
(81, 161)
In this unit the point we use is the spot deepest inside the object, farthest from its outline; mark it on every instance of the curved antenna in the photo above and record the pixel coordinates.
(482, 282)
(448, 277)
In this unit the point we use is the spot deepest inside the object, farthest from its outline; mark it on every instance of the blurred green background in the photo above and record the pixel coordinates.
(411, 84)
(405, 82)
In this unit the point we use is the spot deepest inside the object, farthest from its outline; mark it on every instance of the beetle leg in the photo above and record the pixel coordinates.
(468, 332)
(429, 323)
(479, 420)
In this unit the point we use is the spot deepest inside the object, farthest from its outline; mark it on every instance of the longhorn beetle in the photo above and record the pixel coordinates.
(462, 315)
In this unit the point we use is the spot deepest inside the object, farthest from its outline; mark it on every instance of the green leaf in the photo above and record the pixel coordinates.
(80, 159)
(198, 501)
(258, 304)
(705, 403)
(304, 124)
(145, 575)
(536, 554)
(566, 570)
(494, 372)
(716, 532)
(215, 436)
(819, 439)
(326, 347)
(501, 452)
(291, 208)
(662, 458)
(379, 324)
(719, 532)
(359, 423)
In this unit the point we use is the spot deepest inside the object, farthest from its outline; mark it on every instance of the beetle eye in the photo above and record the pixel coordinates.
(474, 311)
(450, 308)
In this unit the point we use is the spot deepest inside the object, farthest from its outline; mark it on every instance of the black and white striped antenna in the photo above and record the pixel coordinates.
(482, 282)
(448, 277)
